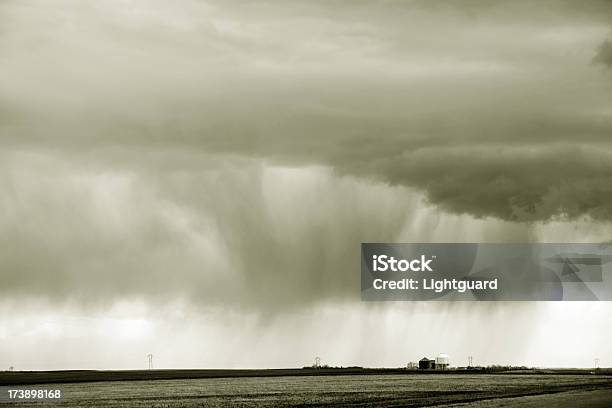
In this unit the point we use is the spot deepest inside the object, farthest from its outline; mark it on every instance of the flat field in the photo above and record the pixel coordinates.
(408, 390)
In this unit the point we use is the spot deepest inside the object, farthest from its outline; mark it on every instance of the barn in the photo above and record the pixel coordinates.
(427, 364)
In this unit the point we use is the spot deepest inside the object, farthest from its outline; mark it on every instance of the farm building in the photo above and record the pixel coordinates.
(427, 364)
(442, 362)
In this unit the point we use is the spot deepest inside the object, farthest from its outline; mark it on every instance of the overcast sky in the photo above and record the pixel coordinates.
(193, 179)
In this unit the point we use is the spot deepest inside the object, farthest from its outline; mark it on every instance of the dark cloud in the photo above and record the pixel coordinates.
(481, 113)
(604, 54)
(517, 184)
(246, 150)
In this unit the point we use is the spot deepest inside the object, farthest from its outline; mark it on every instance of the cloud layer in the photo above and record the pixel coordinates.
(247, 149)
(229, 157)
(490, 110)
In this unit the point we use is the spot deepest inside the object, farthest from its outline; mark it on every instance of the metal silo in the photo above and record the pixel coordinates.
(442, 361)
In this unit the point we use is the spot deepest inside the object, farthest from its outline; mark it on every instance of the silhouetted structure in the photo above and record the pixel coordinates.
(427, 364)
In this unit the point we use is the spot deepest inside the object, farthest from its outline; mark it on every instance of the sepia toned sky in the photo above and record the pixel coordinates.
(194, 179)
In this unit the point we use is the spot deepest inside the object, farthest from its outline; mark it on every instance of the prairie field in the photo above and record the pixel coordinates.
(473, 390)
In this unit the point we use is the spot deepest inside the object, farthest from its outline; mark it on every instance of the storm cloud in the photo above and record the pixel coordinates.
(195, 178)
(604, 54)
(489, 110)
(252, 146)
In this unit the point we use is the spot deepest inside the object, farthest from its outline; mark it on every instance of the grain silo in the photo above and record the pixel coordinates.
(426, 364)
(442, 362)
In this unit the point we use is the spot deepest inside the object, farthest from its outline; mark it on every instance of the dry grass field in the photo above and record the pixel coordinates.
(410, 390)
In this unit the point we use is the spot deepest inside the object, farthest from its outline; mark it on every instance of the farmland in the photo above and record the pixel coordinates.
(390, 390)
